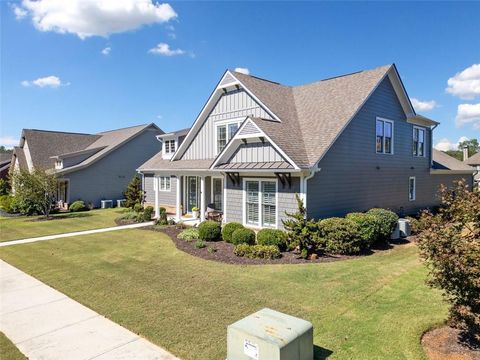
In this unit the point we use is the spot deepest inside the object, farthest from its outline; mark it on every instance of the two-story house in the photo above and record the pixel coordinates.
(343, 144)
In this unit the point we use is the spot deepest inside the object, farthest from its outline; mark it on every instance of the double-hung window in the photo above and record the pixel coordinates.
(418, 141)
(412, 188)
(261, 203)
(169, 146)
(164, 182)
(224, 133)
(384, 133)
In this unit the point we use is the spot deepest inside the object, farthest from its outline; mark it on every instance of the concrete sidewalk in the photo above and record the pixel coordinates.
(76, 233)
(46, 324)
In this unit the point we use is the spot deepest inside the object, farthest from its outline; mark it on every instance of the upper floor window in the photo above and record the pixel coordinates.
(384, 133)
(169, 146)
(224, 133)
(418, 141)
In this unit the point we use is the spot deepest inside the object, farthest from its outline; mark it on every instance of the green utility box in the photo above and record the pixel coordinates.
(270, 335)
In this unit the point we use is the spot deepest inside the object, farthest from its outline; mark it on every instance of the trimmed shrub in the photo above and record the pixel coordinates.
(340, 236)
(162, 218)
(137, 207)
(257, 251)
(78, 205)
(189, 234)
(243, 236)
(369, 227)
(147, 213)
(200, 244)
(272, 237)
(387, 221)
(229, 229)
(210, 231)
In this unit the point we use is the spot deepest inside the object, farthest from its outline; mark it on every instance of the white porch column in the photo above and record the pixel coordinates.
(202, 198)
(179, 197)
(157, 202)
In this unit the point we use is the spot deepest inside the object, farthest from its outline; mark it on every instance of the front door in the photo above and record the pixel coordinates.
(192, 192)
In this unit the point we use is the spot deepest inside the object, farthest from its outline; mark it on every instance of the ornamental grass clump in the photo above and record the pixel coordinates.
(189, 234)
(450, 246)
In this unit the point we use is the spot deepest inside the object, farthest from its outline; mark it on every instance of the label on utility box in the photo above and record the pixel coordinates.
(250, 349)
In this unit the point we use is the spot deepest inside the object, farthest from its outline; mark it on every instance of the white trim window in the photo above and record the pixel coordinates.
(384, 136)
(224, 132)
(169, 146)
(260, 203)
(164, 182)
(412, 188)
(418, 141)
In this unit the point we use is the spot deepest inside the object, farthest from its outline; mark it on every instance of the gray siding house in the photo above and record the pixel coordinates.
(343, 144)
(89, 167)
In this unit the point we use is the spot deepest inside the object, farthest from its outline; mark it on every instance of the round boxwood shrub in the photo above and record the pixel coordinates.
(78, 205)
(341, 236)
(147, 213)
(369, 227)
(272, 237)
(210, 231)
(243, 236)
(228, 230)
(387, 221)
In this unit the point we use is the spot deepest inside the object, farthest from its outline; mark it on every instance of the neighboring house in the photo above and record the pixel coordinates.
(474, 162)
(343, 144)
(5, 160)
(90, 167)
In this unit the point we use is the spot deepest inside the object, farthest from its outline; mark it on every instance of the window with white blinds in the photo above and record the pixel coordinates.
(261, 203)
(164, 183)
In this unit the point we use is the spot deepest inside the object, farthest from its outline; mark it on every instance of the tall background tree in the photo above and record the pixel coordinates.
(134, 193)
(34, 192)
(472, 145)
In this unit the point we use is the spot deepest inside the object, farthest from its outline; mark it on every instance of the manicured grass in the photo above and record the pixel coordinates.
(26, 227)
(373, 307)
(8, 351)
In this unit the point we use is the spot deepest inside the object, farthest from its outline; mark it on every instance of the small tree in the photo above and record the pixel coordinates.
(134, 192)
(35, 191)
(450, 244)
(300, 230)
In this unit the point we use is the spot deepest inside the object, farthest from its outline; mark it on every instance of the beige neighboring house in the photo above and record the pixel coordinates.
(474, 161)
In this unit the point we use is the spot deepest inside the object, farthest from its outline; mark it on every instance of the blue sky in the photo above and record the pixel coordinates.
(55, 76)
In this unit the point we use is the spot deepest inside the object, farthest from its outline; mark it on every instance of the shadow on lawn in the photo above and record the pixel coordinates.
(320, 353)
(63, 216)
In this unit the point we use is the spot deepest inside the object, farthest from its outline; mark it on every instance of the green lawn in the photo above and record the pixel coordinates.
(8, 351)
(25, 227)
(374, 307)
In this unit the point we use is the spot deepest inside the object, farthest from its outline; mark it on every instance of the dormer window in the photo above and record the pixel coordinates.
(58, 164)
(169, 146)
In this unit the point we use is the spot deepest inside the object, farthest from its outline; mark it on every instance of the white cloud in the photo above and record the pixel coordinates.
(8, 141)
(465, 84)
(106, 51)
(242, 70)
(468, 114)
(86, 18)
(445, 144)
(423, 105)
(164, 49)
(19, 12)
(48, 81)
(159, 116)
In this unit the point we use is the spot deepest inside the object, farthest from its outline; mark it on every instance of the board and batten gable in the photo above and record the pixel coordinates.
(108, 177)
(353, 177)
(255, 152)
(235, 104)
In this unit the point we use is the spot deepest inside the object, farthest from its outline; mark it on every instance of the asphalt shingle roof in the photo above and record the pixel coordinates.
(474, 159)
(442, 160)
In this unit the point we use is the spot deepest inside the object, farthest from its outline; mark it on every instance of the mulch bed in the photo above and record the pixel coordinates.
(444, 344)
(224, 251)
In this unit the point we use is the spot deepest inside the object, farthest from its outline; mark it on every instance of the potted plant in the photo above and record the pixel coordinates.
(195, 212)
